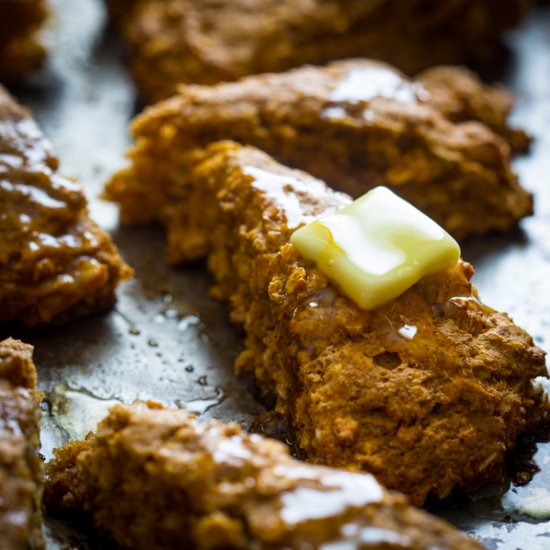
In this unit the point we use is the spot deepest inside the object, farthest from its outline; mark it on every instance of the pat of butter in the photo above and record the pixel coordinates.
(377, 247)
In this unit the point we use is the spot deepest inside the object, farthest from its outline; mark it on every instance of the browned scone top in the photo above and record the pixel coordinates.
(426, 414)
(55, 261)
(20, 47)
(358, 124)
(157, 478)
(193, 41)
(20, 465)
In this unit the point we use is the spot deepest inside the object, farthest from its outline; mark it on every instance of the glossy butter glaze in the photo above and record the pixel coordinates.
(377, 247)
(54, 260)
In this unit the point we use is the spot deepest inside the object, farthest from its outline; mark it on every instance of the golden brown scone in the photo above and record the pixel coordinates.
(55, 261)
(461, 96)
(358, 124)
(20, 48)
(193, 41)
(20, 465)
(157, 478)
(426, 414)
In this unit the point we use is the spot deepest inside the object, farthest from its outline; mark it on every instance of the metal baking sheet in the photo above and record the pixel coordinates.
(168, 340)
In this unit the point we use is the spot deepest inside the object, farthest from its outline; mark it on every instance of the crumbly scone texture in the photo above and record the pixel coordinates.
(55, 262)
(192, 41)
(157, 478)
(21, 50)
(424, 415)
(357, 124)
(20, 465)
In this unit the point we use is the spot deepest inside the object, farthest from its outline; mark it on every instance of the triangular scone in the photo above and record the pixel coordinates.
(155, 478)
(193, 41)
(20, 47)
(356, 124)
(54, 261)
(20, 464)
(428, 391)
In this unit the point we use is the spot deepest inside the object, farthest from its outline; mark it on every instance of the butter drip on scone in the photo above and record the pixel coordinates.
(377, 247)
(364, 84)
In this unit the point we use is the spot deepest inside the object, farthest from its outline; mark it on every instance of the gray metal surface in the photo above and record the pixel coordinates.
(167, 340)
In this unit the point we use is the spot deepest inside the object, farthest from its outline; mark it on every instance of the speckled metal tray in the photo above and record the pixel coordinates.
(167, 340)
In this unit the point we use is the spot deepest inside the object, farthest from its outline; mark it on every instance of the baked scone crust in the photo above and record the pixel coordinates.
(21, 468)
(425, 415)
(55, 262)
(157, 478)
(193, 41)
(357, 124)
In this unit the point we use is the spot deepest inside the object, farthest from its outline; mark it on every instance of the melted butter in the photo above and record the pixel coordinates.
(408, 331)
(71, 414)
(231, 450)
(34, 194)
(356, 536)
(65, 186)
(528, 501)
(9, 161)
(377, 247)
(44, 240)
(365, 84)
(532, 499)
(28, 138)
(297, 471)
(333, 494)
(227, 449)
(285, 191)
